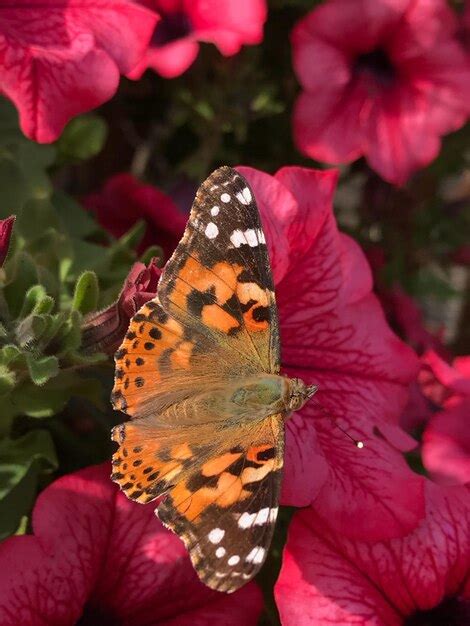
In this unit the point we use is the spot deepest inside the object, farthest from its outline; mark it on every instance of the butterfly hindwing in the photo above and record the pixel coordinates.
(226, 511)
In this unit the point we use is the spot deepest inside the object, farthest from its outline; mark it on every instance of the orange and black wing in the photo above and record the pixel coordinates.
(215, 313)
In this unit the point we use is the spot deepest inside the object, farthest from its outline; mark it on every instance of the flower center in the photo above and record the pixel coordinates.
(172, 26)
(96, 616)
(451, 612)
(378, 64)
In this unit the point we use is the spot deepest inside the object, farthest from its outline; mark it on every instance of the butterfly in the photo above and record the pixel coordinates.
(199, 373)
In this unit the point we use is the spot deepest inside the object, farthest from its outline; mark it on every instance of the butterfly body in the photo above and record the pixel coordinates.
(199, 371)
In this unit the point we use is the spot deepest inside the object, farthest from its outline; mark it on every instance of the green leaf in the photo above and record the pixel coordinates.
(83, 138)
(38, 217)
(51, 398)
(34, 160)
(77, 221)
(85, 298)
(133, 237)
(7, 380)
(22, 273)
(32, 299)
(9, 353)
(42, 369)
(150, 253)
(13, 187)
(21, 463)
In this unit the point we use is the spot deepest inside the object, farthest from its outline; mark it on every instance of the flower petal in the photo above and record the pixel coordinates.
(326, 578)
(95, 551)
(446, 445)
(69, 58)
(334, 334)
(6, 228)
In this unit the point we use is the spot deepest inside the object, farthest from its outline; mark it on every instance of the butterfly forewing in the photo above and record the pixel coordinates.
(213, 322)
(219, 276)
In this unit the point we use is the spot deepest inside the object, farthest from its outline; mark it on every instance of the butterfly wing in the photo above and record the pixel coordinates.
(219, 279)
(225, 511)
(215, 309)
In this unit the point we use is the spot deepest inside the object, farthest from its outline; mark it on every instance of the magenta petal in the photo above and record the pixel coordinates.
(334, 334)
(170, 60)
(69, 58)
(228, 23)
(318, 587)
(326, 578)
(95, 552)
(446, 445)
(393, 113)
(6, 228)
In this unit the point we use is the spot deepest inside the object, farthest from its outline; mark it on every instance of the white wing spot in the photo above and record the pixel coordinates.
(220, 552)
(262, 516)
(251, 237)
(246, 520)
(211, 231)
(256, 555)
(216, 535)
(225, 197)
(244, 196)
(215, 211)
(237, 238)
(233, 560)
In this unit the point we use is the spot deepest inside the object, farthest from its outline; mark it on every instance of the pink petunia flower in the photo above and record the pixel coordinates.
(226, 23)
(6, 228)
(61, 58)
(382, 78)
(333, 334)
(97, 558)
(103, 331)
(124, 200)
(421, 579)
(446, 439)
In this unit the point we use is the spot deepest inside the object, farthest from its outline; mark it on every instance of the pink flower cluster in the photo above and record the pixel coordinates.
(59, 58)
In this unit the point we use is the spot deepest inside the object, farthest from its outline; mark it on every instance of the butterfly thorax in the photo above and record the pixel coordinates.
(268, 394)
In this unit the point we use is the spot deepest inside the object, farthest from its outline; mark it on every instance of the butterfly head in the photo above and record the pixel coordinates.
(299, 393)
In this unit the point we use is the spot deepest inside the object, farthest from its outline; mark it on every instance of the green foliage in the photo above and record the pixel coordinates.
(83, 138)
(60, 267)
(23, 462)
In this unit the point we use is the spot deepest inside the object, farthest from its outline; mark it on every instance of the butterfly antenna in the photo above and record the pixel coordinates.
(326, 413)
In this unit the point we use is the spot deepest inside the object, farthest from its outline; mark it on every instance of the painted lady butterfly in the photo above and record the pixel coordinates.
(199, 370)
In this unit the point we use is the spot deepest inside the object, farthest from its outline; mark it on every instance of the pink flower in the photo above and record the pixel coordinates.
(333, 333)
(98, 558)
(59, 59)
(124, 200)
(383, 78)
(408, 316)
(446, 439)
(6, 228)
(418, 580)
(104, 331)
(226, 23)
